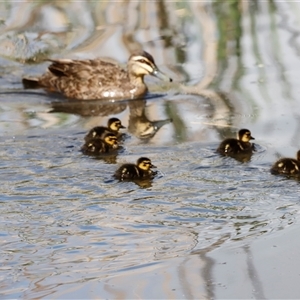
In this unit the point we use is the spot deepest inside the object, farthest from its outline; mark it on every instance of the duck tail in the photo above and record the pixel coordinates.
(31, 83)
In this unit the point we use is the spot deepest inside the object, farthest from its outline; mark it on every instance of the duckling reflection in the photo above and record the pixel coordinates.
(139, 124)
(113, 125)
(287, 166)
(240, 148)
(97, 78)
(141, 170)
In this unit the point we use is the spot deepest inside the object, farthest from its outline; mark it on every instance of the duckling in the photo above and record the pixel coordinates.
(107, 144)
(241, 145)
(287, 166)
(113, 125)
(140, 170)
(96, 78)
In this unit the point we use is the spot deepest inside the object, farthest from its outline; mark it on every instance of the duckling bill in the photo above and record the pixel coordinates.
(240, 145)
(108, 144)
(287, 166)
(97, 79)
(140, 170)
(113, 126)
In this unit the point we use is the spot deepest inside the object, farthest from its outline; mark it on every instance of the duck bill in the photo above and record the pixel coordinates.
(158, 124)
(155, 126)
(252, 138)
(122, 127)
(152, 166)
(160, 75)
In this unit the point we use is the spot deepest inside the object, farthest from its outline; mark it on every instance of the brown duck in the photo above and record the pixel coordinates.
(97, 79)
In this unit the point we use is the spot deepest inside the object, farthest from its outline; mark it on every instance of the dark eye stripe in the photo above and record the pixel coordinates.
(143, 61)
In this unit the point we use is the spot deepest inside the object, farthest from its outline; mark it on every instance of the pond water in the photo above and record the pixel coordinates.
(68, 229)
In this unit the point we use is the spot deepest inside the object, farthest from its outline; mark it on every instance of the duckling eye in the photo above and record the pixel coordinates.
(143, 61)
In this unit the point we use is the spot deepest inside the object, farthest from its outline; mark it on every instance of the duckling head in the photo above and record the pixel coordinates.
(111, 139)
(115, 124)
(298, 155)
(145, 163)
(142, 63)
(244, 135)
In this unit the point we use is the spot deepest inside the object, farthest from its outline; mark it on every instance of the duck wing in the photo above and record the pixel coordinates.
(84, 79)
(84, 69)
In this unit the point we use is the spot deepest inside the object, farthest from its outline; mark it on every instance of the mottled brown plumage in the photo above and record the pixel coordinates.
(97, 79)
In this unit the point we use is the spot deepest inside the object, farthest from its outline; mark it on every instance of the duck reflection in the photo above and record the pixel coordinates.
(109, 158)
(139, 124)
(88, 108)
(241, 157)
(144, 183)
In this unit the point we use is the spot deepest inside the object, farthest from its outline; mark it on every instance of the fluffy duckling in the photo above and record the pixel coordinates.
(287, 166)
(140, 170)
(107, 144)
(113, 125)
(240, 145)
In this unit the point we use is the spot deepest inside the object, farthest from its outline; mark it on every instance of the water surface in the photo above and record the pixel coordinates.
(68, 228)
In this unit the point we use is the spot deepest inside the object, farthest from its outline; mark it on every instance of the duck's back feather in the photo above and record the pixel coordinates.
(97, 133)
(95, 146)
(128, 171)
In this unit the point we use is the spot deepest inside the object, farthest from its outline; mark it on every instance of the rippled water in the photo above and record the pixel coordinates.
(68, 228)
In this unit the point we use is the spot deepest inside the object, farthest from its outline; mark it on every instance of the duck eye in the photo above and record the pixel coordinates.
(142, 61)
